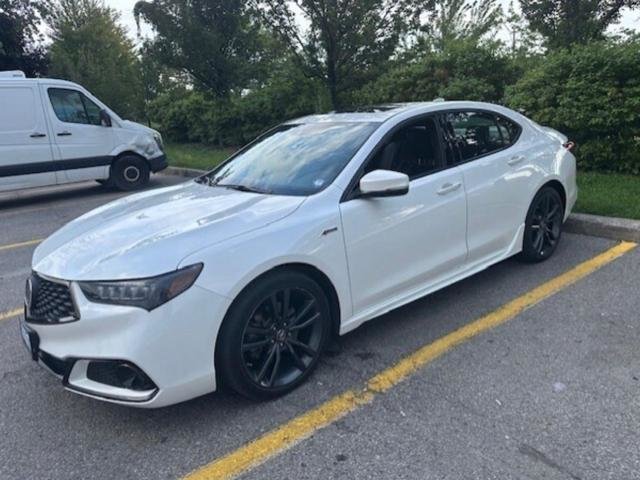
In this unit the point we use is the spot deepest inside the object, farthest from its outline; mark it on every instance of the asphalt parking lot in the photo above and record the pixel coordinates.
(551, 393)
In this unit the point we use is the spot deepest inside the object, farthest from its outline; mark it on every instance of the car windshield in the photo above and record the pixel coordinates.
(294, 159)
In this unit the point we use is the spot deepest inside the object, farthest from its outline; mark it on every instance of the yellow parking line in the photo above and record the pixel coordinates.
(303, 426)
(21, 244)
(10, 314)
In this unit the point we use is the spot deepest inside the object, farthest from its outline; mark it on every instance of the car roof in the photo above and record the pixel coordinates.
(14, 78)
(383, 112)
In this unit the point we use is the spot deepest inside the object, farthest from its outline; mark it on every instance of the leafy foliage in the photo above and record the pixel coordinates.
(592, 94)
(21, 46)
(463, 71)
(346, 42)
(190, 116)
(565, 22)
(216, 42)
(454, 20)
(90, 48)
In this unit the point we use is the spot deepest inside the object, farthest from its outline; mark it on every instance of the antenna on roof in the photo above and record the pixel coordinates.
(12, 74)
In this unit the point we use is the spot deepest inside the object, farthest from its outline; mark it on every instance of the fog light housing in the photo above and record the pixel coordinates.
(119, 374)
(110, 379)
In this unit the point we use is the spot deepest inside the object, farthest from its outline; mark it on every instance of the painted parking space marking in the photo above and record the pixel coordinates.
(28, 243)
(303, 426)
(10, 314)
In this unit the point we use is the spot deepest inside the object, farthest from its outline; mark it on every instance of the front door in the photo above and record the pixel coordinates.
(83, 144)
(399, 245)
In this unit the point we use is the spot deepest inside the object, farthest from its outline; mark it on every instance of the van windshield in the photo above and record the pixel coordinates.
(293, 159)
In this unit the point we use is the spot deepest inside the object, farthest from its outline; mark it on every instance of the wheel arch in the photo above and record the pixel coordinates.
(127, 153)
(313, 272)
(558, 187)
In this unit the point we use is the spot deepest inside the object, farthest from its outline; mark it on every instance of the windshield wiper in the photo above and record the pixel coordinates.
(241, 188)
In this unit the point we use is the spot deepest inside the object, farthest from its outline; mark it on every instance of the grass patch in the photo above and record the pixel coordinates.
(192, 155)
(609, 194)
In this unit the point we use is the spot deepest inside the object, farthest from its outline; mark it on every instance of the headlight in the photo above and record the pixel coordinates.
(158, 140)
(147, 293)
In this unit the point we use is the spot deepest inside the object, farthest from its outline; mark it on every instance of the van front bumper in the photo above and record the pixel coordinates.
(158, 163)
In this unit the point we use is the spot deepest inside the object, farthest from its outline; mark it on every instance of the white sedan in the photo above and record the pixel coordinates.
(240, 277)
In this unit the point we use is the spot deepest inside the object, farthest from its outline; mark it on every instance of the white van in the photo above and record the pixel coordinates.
(54, 132)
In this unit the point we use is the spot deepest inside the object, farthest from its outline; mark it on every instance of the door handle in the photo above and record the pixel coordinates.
(37, 135)
(64, 134)
(449, 187)
(515, 160)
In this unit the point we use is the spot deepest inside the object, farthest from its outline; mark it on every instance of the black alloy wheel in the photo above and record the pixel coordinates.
(543, 227)
(273, 336)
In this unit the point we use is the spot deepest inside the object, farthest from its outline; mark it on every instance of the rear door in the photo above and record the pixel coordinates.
(496, 176)
(83, 146)
(25, 149)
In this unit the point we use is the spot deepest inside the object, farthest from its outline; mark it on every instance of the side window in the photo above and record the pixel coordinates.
(509, 130)
(413, 150)
(71, 106)
(471, 134)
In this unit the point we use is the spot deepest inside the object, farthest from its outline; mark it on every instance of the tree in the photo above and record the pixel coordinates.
(591, 94)
(346, 41)
(566, 22)
(455, 20)
(21, 45)
(216, 42)
(90, 48)
(464, 71)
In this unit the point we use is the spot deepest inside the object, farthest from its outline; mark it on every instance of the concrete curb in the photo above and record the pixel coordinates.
(594, 225)
(607, 227)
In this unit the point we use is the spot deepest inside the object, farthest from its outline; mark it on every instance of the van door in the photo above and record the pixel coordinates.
(83, 145)
(26, 157)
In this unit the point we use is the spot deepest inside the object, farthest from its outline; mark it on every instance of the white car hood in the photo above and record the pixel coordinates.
(149, 233)
(128, 124)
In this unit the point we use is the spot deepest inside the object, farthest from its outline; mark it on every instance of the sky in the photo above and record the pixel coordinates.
(125, 7)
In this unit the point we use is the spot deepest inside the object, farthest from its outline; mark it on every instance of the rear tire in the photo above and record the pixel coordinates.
(543, 226)
(129, 173)
(273, 335)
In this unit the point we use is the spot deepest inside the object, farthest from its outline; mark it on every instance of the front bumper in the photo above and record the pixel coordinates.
(158, 163)
(172, 346)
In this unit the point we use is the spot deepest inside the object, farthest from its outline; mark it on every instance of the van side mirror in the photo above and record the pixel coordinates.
(384, 183)
(105, 118)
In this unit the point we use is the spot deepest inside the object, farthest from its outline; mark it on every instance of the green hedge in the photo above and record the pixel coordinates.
(592, 94)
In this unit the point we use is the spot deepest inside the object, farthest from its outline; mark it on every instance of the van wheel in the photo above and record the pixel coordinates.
(129, 173)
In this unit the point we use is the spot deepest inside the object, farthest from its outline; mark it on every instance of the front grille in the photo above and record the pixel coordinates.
(51, 302)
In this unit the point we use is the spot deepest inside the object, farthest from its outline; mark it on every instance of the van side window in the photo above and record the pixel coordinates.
(473, 134)
(71, 106)
(413, 150)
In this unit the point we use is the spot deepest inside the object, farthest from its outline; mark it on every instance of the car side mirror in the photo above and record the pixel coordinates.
(384, 183)
(105, 118)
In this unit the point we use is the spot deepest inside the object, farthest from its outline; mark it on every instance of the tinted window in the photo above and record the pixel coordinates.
(413, 150)
(471, 134)
(71, 106)
(509, 130)
(295, 159)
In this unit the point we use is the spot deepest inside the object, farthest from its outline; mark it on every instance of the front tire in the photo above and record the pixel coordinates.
(129, 173)
(543, 226)
(273, 335)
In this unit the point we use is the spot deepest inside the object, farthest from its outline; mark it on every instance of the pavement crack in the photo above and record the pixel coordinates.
(539, 456)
